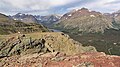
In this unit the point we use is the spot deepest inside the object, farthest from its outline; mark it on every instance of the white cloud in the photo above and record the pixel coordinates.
(61, 2)
(100, 5)
(31, 5)
(36, 4)
(28, 4)
(44, 6)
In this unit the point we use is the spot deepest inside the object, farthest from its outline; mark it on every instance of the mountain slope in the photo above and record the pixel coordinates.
(83, 20)
(8, 26)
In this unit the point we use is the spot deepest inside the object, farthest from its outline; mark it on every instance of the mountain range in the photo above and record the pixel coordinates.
(47, 20)
(80, 20)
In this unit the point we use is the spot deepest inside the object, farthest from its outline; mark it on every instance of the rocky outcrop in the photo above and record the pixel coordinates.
(40, 43)
(89, 59)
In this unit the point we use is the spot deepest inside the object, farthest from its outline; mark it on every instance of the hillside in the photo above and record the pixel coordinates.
(9, 26)
(84, 21)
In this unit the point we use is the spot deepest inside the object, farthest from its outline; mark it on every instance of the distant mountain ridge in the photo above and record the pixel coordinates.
(48, 20)
(25, 18)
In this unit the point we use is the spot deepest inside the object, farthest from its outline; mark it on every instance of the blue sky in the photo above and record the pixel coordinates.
(45, 7)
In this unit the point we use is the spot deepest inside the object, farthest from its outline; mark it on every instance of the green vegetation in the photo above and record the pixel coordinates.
(109, 42)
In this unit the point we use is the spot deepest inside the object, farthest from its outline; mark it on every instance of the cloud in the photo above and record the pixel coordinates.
(100, 5)
(31, 5)
(27, 4)
(57, 6)
(62, 2)
(114, 2)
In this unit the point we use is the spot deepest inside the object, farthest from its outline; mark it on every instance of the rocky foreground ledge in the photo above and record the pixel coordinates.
(57, 59)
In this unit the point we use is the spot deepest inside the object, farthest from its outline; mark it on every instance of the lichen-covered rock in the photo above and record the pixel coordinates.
(19, 44)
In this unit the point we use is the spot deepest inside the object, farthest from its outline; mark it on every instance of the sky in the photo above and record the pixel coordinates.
(46, 7)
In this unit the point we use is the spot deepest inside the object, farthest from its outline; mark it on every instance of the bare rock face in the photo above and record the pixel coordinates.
(83, 20)
(89, 59)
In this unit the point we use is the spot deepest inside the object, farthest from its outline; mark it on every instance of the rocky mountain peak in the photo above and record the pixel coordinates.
(27, 18)
(80, 13)
(84, 10)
